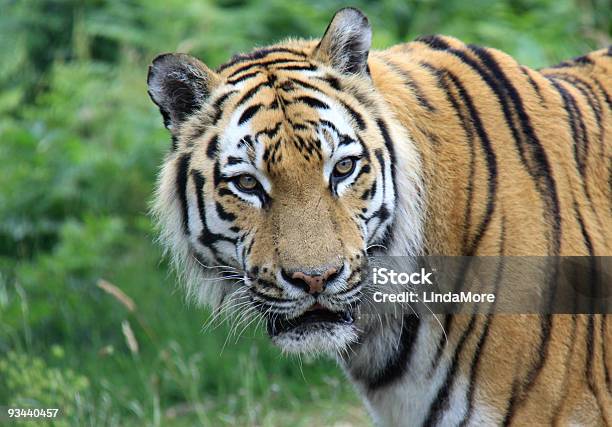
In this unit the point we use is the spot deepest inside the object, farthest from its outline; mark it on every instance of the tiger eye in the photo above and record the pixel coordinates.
(247, 182)
(344, 167)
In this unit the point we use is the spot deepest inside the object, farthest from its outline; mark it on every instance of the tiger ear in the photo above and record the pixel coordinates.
(346, 42)
(179, 84)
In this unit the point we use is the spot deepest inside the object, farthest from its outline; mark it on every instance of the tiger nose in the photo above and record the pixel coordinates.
(314, 284)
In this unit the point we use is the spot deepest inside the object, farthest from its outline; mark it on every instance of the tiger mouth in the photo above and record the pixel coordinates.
(311, 319)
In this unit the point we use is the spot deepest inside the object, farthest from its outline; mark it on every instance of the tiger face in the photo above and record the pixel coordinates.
(279, 181)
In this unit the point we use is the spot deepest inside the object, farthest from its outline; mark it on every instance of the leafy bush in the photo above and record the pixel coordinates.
(28, 382)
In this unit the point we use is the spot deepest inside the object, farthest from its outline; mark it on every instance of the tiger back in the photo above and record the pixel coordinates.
(517, 162)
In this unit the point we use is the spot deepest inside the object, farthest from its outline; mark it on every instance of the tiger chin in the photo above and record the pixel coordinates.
(292, 165)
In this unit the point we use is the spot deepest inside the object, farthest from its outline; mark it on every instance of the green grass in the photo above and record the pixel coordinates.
(179, 374)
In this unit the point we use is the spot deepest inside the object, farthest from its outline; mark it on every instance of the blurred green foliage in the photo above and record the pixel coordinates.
(80, 144)
(33, 383)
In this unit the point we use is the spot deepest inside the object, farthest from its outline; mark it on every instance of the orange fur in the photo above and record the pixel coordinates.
(514, 162)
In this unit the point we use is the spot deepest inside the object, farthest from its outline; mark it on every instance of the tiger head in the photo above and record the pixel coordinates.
(282, 178)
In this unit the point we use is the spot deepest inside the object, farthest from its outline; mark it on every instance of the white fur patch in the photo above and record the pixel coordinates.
(331, 341)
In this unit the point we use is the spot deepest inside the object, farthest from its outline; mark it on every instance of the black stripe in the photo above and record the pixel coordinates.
(546, 324)
(603, 92)
(198, 179)
(474, 371)
(309, 67)
(610, 183)
(303, 84)
(440, 404)
(332, 81)
(373, 189)
(578, 128)
(364, 151)
(325, 123)
(485, 334)
(545, 333)
(269, 132)
(590, 354)
(490, 159)
(232, 160)
(579, 133)
(223, 214)
(226, 192)
(206, 238)
(434, 42)
(243, 77)
(586, 90)
(532, 83)
(181, 186)
(249, 113)
(382, 213)
(217, 176)
(250, 247)
(468, 129)
(398, 360)
(264, 64)
(536, 368)
(312, 102)
(345, 140)
(593, 277)
(258, 54)
(250, 93)
(514, 396)
(382, 127)
(466, 262)
(583, 60)
(218, 105)
(213, 145)
(356, 116)
(530, 149)
(572, 346)
(268, 298)
(378, 153)
(590, 95)
(411, 83)
(585, 235)
(603, 327)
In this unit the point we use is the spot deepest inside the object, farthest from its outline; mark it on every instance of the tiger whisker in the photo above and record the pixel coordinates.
(212, 279)
(213, 266)
(230, 304)
(435, 317)
(376, 246)
(255, 317)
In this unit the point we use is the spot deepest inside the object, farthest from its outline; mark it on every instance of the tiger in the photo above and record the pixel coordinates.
(294, 164)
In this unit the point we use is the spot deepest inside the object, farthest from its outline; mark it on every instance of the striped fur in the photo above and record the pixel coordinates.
(462, 151)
